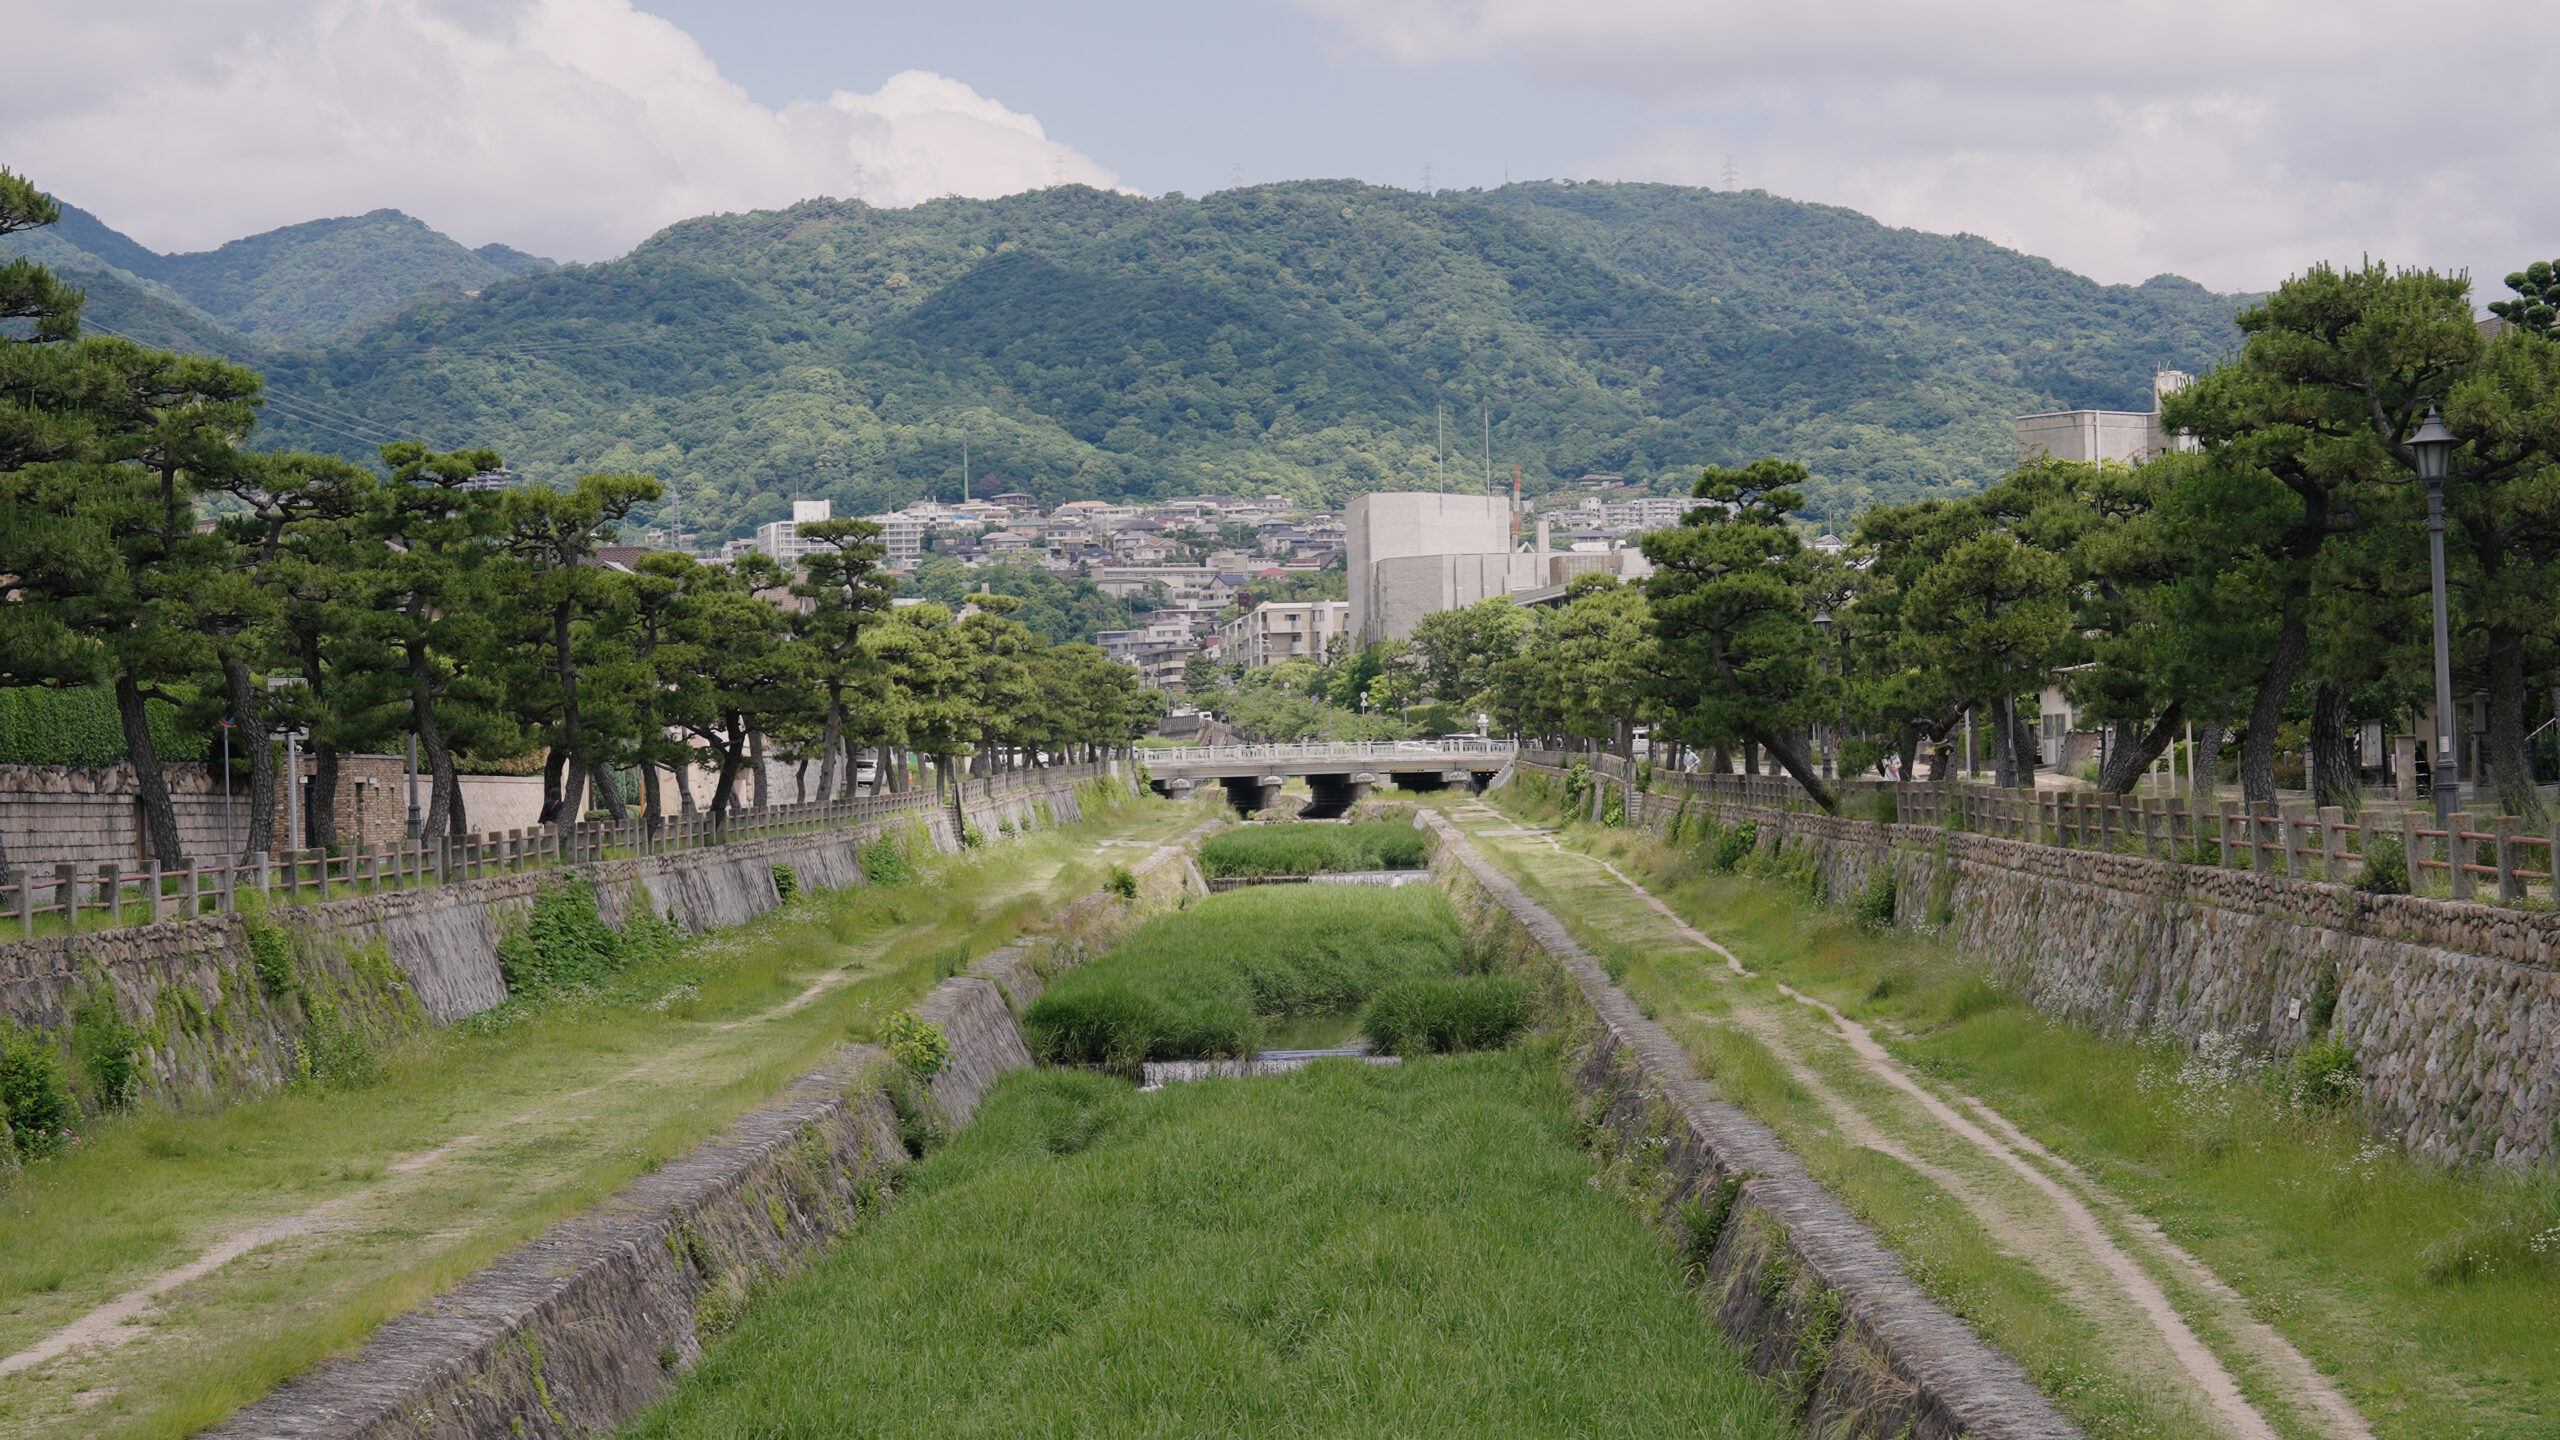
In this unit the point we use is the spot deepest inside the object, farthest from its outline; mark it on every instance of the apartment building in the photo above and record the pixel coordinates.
(1283, 630)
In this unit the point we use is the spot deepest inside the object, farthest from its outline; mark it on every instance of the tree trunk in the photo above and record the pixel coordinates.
(755, 742)
(159, 817)
(249, 734)
(1791, 755)
(2004, 743)
(827, 744)
(611, 789)
(1909, 752)
(1750, 757)
(2332, 780)
(573, 791)
(2207, 763)
(684, 784)
(651, 807)
(2258, 752)
(555, 767)
(2510, 763)
(1722, 761)
(320, 802)
(2136, 749)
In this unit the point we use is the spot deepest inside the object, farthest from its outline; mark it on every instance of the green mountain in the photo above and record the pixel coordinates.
(296, 285)
(1313, 338)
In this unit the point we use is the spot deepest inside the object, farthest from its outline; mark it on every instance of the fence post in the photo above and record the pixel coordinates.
(2457, 852)
(2510, 887)
(2410, 854)
(2222, 830)
(2289, 824)
(26, 904)
(154, 913)
(111, 892)
(66, 893)
(444, 857)
(2368, 830)
(2333, 818)
(195, 894)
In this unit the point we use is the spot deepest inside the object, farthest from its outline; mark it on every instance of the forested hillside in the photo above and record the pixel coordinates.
(296, 285)
(1294, 338)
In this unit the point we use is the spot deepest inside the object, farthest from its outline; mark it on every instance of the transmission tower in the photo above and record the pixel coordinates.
(1235, 180)
(857, 183)
(1732, 175)
(1426, 178)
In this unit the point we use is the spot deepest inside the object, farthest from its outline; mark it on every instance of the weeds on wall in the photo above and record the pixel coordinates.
(270, 954)
(106, 1051)
(786, 882)
(2386, 867)
(1121, 882)
(565, 945)
(35, 1096)
(884, 861)
(918, 1045)
(1874, 905)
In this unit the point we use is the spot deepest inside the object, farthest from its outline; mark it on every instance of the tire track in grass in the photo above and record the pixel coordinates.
(2075, 1199)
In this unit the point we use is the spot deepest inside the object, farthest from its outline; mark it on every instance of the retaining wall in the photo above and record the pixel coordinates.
(210, 1024)
(572, 1334)
(1799, 1284)
(2451, 1008)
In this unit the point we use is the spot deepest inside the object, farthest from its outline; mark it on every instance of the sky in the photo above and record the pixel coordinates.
(2234, 142)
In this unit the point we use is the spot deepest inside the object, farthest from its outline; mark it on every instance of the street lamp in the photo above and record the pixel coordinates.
(1822, 622)
(2433, 446)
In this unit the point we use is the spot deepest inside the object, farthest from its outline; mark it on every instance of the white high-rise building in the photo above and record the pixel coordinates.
(1414, 554)
(781, 538)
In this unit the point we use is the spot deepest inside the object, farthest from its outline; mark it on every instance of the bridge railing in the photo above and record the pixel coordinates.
(1419, 752)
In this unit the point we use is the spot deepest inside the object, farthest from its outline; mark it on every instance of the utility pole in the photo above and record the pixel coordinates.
(1488, 449)
(1440, 416)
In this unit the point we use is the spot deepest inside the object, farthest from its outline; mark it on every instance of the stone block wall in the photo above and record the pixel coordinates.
(60, 814)
(2451, 1008)
(211, 1025)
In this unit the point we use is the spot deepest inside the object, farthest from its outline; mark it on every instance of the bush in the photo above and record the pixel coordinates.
(106, 1048)
(2324, 1076)
(1312, 848)
(786, 881)
(2386, 868)
(1440, 1013)
(271, 955)
(1121, 882)
(918, 1045)
(1198, 983)
(34, 1097)
(884, 862)
(565, 943)
(329, 1053)
(1733, 844)
(1874, 908)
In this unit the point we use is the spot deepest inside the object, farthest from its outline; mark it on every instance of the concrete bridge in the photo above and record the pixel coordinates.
(1340, 772)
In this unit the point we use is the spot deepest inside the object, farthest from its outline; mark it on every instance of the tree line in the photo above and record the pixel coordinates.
(2266, 582)
(147, 552)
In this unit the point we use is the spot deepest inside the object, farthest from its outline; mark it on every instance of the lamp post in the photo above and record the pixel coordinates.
(1822, 622)
(2433, 447)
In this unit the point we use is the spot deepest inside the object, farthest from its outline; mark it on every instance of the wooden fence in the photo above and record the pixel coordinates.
(75, 897)
(2475, 853)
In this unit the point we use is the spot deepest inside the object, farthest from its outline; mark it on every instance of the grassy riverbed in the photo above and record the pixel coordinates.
(1311, 848)
(1348, 1250)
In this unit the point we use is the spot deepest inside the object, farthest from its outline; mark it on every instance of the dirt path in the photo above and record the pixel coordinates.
(2105, 1258)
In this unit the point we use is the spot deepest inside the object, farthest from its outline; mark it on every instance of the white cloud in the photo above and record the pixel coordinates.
(2233, 143)
(572, 128)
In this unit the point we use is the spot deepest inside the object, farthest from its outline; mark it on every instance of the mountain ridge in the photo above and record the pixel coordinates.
(1296, 338)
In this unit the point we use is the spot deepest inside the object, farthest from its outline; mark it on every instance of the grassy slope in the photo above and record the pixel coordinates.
(2329, 1236)
(1411, 1252)
(549, 1108)
(1311, 849)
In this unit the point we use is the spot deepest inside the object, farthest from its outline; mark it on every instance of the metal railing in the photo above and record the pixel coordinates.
(1420, 750)
(73, 897)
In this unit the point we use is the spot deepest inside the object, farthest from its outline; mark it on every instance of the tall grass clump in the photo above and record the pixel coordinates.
(1310, 848)
(1201, 982)
(1348, 1250)
(1440, 1013)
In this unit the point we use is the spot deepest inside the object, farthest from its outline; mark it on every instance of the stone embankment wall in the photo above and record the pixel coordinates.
(573, 1333)
(1807, 1292)
(2451, 1008)
(212, 1023)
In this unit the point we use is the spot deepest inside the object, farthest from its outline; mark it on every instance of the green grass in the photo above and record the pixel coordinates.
(1440, 1013)
(667, 1049)
(1310, 848)
(1202, 982)
(1408, 1252)
(2418, 1288)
